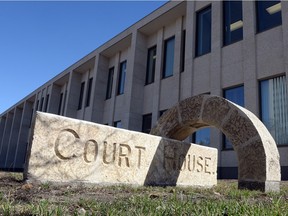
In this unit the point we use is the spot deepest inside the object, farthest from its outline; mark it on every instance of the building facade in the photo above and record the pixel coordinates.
(234, 49)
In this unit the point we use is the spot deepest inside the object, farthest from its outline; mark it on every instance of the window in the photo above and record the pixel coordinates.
(41, 103)
(168, 57)
(151, 64)
(117, 124)
(37, 105)
(232, 21)
(274, 108)
(60, 104)
(161, 112)
(110, 83)
(121, 79)
(46, 103)
(146, 123)
(81, 95)
(64, 102)
(268, 14)
(203, 31)
(236, 95)
(87, 103)
(202, 136)
(182, 53)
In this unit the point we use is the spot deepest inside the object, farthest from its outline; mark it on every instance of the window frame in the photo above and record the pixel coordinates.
(258, 19)
(225, 41)
(197, 53)
(148, 72)
(121, 78)
(164, 71)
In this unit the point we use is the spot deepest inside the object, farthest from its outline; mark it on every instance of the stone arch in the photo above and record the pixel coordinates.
(257, 153)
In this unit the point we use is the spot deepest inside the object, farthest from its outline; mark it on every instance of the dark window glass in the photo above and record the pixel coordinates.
(60, 104)
(110, 83)
(41, 103)
(236, 95)
(46, 103)
(168, 57)
(151, 64)
(87, 103)
(202, 137)
(233, 22)
(182, 57)
(121, 80)
(81, 95)
(162, 112)
(117, 124)
(274, 108)
(268, 14)
(146, 123)
(37, 105)
(203, 31)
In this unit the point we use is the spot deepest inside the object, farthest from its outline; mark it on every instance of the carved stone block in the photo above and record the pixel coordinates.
(70, 150)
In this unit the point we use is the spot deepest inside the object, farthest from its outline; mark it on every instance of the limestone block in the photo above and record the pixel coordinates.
(70, 150)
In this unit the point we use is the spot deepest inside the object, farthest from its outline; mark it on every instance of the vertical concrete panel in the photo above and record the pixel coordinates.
(73, 94)
(13, 139)
(249, 58)
(158, 76)
(2, 126)
(284, 5)
(5, 140)
(22, 143)
(134, 95)
(190, 48)
(100, 78)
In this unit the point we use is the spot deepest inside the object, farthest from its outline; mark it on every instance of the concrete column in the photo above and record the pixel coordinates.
(158, 76)
(135, 80)
(22, 142)
(249, 57)
(2, 126)
(114, 89)
(284, 5)
(99, 88)
(73, 94)
(177, 55)
(13, 139)
(190, 46)
(54, 99)
(5, 139)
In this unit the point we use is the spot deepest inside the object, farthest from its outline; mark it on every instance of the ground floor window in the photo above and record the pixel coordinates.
(274, 108)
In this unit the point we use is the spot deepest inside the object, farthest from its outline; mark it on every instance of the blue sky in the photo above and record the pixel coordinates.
(38, 40)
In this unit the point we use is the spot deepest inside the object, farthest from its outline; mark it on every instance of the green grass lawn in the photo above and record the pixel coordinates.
(19, 198)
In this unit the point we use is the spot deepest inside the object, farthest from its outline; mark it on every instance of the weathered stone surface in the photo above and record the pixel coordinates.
(69, 150)
(257, 153)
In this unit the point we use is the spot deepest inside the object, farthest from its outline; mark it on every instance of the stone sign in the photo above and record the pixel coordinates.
(70, 150)
(258, 156)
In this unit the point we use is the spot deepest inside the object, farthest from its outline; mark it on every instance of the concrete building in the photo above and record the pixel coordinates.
(238, 50)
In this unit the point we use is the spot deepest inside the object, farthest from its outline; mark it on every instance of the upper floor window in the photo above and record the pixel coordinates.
(109, 83)
(121, 78)
(203, 31)
(60, 104)
(87, 103)
(168, 57)
(274, 108)
(232, 22)
(182, 54)
(146, 123)
(236, 95)
(151, 64)
(46, 103)
(268, 14)
(81, 95)
(202, 136)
